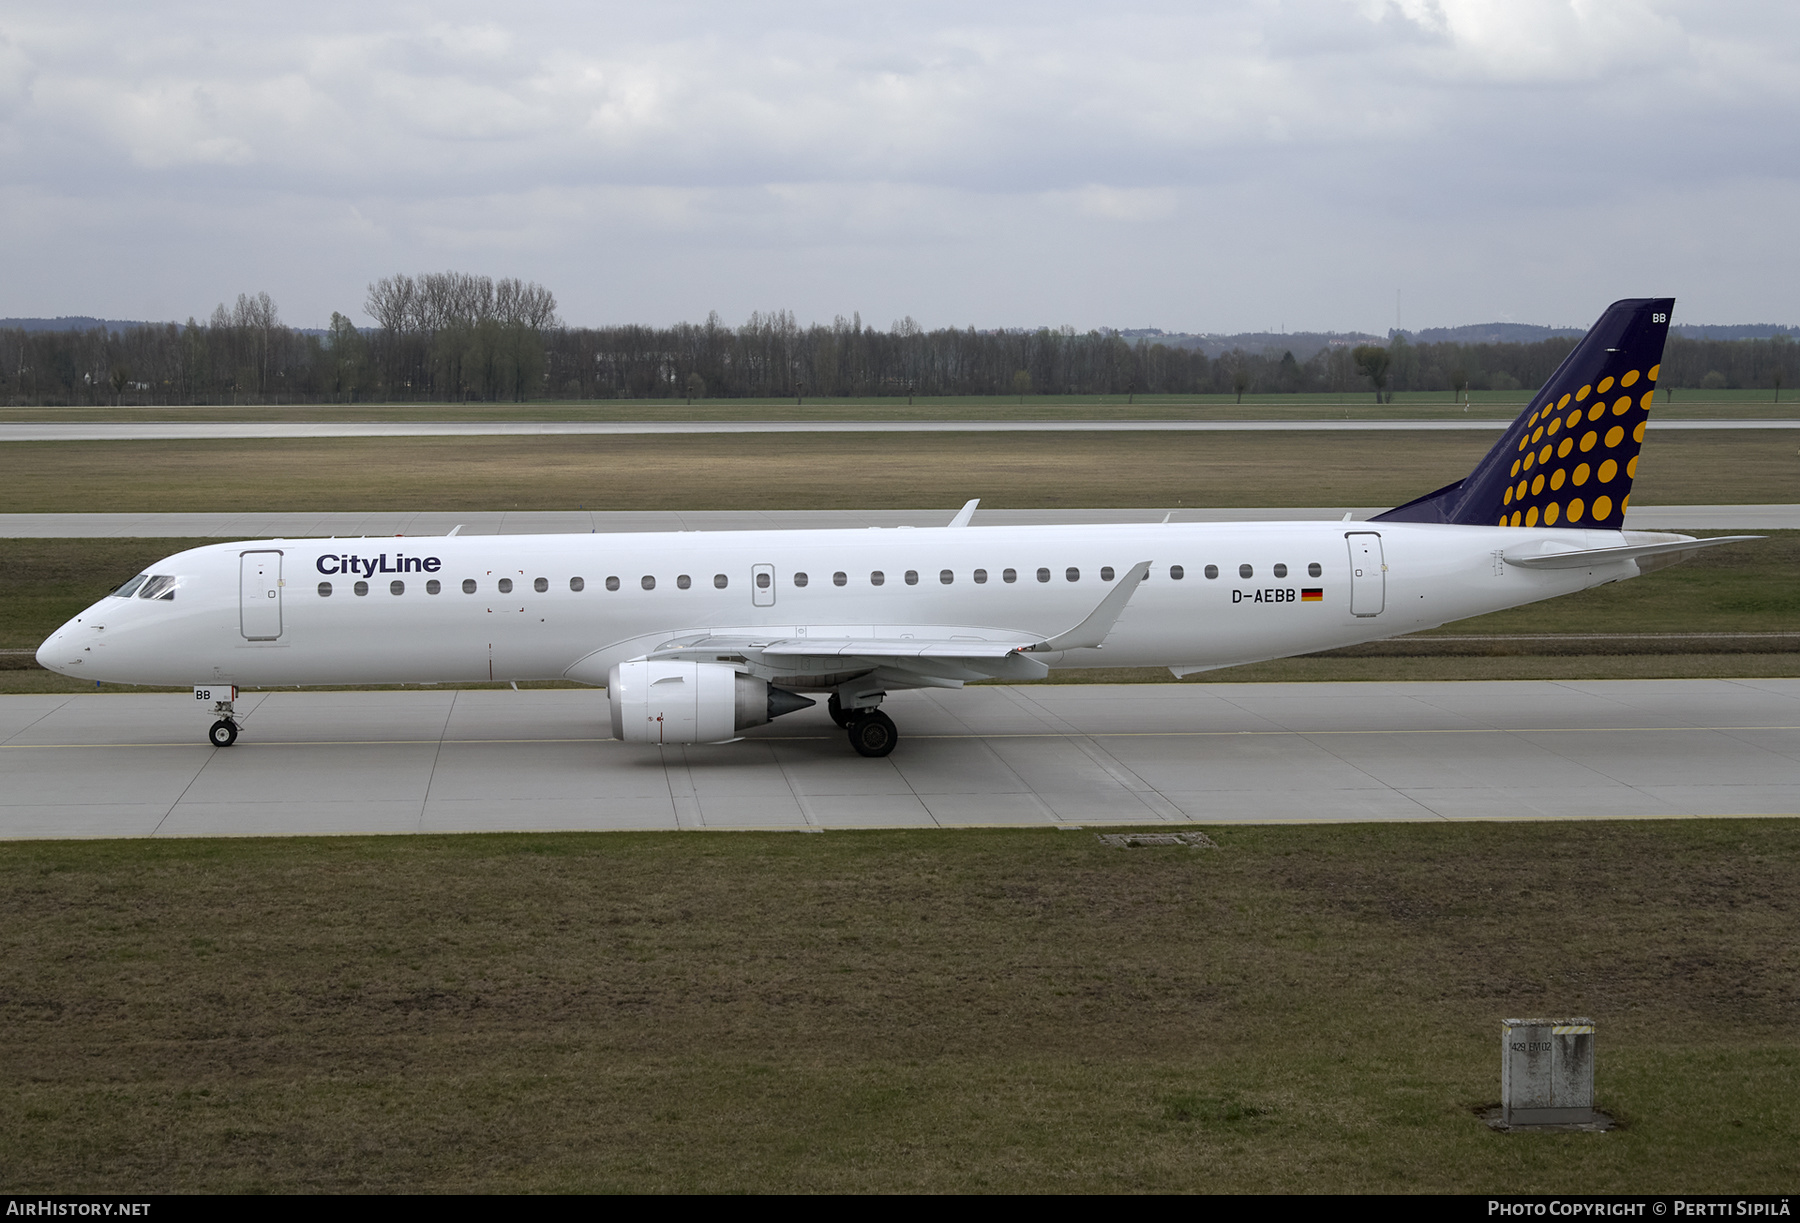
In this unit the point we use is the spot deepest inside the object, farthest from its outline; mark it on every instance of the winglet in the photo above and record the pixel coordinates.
(454, 530)
(965, 513)
(1091, 632)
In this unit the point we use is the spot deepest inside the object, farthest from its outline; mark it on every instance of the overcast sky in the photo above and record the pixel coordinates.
(1219, 166)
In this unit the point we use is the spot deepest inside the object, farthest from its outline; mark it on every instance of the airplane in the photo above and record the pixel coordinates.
(699, 636)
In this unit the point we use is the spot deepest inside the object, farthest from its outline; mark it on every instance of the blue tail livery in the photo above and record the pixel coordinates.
(1571, 456)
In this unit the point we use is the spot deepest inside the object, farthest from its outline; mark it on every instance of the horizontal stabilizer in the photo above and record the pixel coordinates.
(1587, 558)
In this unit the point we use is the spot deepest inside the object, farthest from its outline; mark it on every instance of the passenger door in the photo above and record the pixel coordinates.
(1368, 574)
(259, 595)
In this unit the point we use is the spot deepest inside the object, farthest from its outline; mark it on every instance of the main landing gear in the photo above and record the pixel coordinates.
(872, 733)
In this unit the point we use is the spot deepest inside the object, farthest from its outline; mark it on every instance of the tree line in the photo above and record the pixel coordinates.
(454, 337)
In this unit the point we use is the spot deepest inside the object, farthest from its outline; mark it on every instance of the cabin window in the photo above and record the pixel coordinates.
(396, 588)
(683, 581)
(1106, 573)
(468, 586)
(1072, 574)
(720, 581)
(324, 590)
(1009, 576)
(912, 577)
(1281, 571)
(1212, 571)
(839, 578)
(540, 585)
(577, 584)
(981, 577)
(877, 577)
(946, 577)
(647, 582)
(1176, 572)
(612, 583)
(763, 581)
(1043, 575)
(505, 586)
(130, 588)
(433, 586)
(800, 579)
(1315, 569)
(1245, 571)
(361, 589)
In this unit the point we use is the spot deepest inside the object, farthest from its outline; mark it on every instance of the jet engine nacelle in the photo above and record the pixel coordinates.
(691, 702)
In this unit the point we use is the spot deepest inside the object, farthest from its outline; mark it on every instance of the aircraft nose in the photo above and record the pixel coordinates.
(48, 653)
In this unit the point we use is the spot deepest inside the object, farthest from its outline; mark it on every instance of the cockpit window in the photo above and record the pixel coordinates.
(130, 588)
(160, 586)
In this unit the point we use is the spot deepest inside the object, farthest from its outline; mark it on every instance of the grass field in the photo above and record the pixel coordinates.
(828, 471)
(1743, 588)
(1302, 1009)
(1408, 405)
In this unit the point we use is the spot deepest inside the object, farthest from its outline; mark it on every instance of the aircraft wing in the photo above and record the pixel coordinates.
(895, 647)
(930, 657)
(921, 653)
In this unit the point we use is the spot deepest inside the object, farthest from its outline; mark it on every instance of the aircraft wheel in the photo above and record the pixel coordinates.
(835, 708)
(223, 733)
(874, 734)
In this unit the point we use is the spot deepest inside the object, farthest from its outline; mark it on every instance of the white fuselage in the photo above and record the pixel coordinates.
(227, 624)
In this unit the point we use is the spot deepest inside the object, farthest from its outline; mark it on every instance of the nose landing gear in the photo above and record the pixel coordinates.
(224, 732)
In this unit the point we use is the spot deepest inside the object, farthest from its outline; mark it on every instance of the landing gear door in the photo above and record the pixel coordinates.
(762, 585)
(1368, 574)
(259, 595)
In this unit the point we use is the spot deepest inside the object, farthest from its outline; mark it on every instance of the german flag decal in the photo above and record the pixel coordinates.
(1312, 594)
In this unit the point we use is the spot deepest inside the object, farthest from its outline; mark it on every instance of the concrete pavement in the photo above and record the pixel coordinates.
(419, 760)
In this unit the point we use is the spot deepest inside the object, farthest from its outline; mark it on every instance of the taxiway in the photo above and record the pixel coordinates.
(421, 760)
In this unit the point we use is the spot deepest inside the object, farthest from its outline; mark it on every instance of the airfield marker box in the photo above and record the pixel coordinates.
(1547, 1071)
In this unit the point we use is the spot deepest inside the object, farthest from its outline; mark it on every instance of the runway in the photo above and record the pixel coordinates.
(416, 761)
(153, 430)
(234, 524)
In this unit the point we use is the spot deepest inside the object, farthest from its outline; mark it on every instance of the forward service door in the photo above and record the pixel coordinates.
(1368, 574)
(259, 595)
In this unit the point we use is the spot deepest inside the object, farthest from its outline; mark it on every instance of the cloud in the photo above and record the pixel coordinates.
(617, 139)
(1125, 204)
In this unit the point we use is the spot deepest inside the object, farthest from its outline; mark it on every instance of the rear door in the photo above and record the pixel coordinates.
(259, 595)
(1368, 574)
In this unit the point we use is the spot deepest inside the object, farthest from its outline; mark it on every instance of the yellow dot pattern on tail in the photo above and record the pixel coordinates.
(1602, 463)
(1568, 460)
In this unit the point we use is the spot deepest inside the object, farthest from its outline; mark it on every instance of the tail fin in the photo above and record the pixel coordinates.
(1571, 456)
